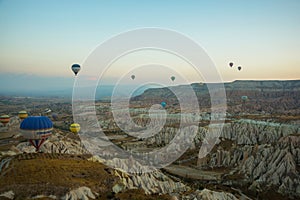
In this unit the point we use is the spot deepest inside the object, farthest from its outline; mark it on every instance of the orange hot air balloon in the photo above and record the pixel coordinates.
(4, 119)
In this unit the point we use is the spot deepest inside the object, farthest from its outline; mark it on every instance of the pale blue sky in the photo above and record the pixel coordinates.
(43, 38)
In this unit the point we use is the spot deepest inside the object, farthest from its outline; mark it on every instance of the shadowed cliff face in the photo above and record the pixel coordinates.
(275, 97)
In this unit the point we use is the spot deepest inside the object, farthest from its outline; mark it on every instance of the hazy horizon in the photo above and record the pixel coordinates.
(25, 85)
(40, 40)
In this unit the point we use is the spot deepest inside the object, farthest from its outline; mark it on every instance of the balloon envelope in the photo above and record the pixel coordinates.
(173, 78)
(244, 98)
(239, 68)
(47, 110)
(4, 119)
(23, 114)
(74, 128)
(132, 77)
(54, 116)
(75, 68)
(37, 129)
(231, 64)
(163, 104)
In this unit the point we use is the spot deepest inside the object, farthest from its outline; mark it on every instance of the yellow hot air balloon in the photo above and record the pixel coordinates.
(4, 119)
(74, 128)
(23, 114)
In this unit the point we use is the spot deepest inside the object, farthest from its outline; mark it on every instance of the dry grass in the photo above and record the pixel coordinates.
(56, 174)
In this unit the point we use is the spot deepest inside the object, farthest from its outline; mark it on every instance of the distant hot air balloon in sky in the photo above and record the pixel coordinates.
(132, 77)
(74, 128)
(163, 104)
(37, 129)
(231, 65)
(23, 114)
(173, 78)
(75, 69)
(4, 119)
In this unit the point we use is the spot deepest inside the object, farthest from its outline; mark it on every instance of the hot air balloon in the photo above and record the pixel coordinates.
(4, 119)
(163, 104)
(239, 68)
(75, 128)
(75, 69)
(132, 77)
(22, 114)
(54, 116)
(244, 98)
(47, 110)
(231, 64)
(36, 129)
(173, 78)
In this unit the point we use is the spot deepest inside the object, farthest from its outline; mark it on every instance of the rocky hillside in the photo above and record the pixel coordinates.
(256, 155)
(263, 96)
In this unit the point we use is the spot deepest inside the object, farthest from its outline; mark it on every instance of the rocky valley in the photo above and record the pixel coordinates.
(252, 152)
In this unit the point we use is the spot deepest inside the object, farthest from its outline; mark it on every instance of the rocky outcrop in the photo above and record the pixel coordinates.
(8, 195)
(251, 132)
(265, 153)
(41, 196)
(57, 143)
(207, 194)
(280, 97)
(82, 193)
(275, 166)
(242, 132)
(154, 182)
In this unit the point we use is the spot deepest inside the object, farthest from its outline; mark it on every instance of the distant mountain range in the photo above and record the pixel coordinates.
(281, 97)
(234, 90)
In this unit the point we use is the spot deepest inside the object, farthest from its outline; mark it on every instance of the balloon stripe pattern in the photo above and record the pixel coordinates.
(4, 119)
(36, 128)
(37, 143)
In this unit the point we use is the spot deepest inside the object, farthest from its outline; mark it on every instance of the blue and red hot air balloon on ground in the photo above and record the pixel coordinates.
(36, 129)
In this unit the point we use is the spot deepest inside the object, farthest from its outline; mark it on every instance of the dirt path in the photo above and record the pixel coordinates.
(189, 172)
